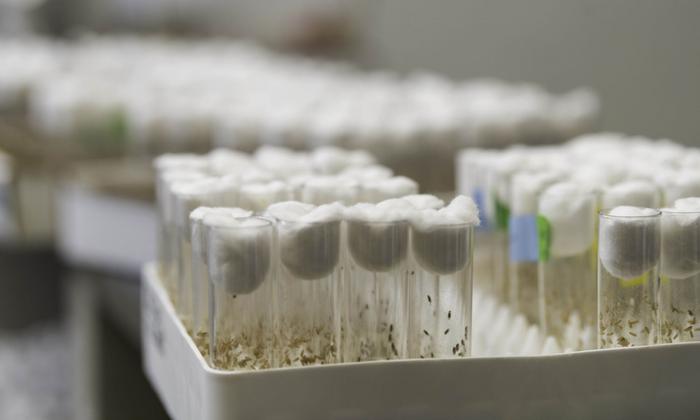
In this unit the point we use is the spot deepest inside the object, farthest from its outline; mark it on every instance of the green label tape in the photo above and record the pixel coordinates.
(502, 215)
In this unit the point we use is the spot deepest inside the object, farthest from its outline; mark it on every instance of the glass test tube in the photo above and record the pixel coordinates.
(307, 322)
(165, 234)
(200, 282)
(188, 198)
(628, 263)
(523, 243)
(200, 271)
(566, 271)
(523, 266)
(500, 214)
(374, 289)
(440, 291)
(483, 257)
(483, 260)
(183, 302)
(241, 293)
(161, 204)
(679, 289)
(167, 225)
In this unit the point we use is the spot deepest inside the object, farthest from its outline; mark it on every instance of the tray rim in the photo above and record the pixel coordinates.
(149, 274)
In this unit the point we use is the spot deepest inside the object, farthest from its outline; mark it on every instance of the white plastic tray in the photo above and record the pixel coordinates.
(105, 231)
(636, 383)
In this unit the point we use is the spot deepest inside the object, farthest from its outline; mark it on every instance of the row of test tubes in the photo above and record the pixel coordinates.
(649, 275)
(304, 285)
(225, 178)
(539, 238)
(260, 281)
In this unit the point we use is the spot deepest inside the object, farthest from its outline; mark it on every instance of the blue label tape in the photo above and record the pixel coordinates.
(522, 232)
(480, 201)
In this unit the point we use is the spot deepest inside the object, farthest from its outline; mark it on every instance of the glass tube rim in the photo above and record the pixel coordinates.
(436, 226)
(678, 212)
(268, 223)
(302, 223)
(605, 213)
(400, 222)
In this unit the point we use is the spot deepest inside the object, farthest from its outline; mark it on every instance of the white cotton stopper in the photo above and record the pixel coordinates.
(198, 214)
(197, 221)
(283, 162)
(398, 208)
(360, 158)
(680, 240)
(289, 210)
(227, 162)
(691, 204)
(228, 186)
(332, 160)
(239, 252)
(379, 190)
(328, 189)
(167, 177)
(257, 197)
(368, 173)
(442, 239)
(631, 211)
(683, 184)
(526, 188)
(164, 193)
(570, 212)
(462, 209)
(254, 175)
(190, 195)
(391, 210)
(424, 201)
(630, 241)
(378, 234)
(631, 193)
(598, 175)
(443, 249)
(309, 237)
(329, 160)
(296, 185)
